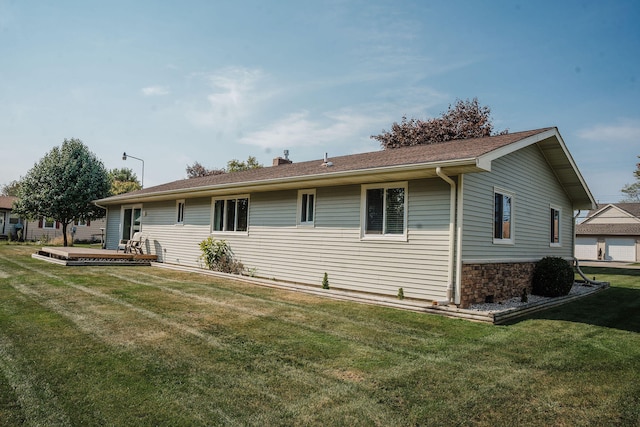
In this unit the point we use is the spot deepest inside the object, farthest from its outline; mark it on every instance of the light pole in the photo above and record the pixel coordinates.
(124, 157)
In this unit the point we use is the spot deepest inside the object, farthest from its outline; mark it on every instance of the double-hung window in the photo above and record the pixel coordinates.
(231, 214)
(180, 212)
(306, 207)
(503, 217)
(384, 210)
(554, 235)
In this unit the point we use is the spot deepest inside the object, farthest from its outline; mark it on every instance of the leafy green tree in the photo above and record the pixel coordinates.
(10, 189)
(632, 191)
(468, 119)
(123, 181)
(236, 165)
(62, 186)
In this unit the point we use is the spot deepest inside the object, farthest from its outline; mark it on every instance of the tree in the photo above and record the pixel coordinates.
(10, 189)
(236, 165)
(468, 119)
(62, 186)
(633, 190)
(197, 170)
(123, 181)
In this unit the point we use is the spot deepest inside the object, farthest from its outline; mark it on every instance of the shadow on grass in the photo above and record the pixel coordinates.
(617, 307)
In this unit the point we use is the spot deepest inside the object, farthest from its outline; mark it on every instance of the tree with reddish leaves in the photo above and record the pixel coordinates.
(467, 119)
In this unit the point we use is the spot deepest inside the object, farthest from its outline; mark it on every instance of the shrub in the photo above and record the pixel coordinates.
(552, 277)
(325, 281)
(217, 255)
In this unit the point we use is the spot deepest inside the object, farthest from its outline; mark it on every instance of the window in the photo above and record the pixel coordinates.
(554, 236)
(180, 212)
(231, 214)
(384, 210)
(82, 223)
(48, 223)
(306, 207)
(503, 217)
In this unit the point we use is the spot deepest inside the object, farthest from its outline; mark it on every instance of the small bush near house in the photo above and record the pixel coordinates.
(217, 255)
(552, 277)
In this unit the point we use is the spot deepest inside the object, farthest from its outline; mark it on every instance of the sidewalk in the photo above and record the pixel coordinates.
(610, 264)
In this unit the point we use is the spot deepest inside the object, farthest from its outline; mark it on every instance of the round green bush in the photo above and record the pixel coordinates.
(552, 277)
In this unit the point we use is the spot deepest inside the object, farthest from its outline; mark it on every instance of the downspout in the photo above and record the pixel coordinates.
(452, 213)
(459, 213)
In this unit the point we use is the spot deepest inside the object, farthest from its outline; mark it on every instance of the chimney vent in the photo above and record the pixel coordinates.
(282, 161)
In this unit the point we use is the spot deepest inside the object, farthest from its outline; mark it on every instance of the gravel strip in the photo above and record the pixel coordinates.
(577, 289)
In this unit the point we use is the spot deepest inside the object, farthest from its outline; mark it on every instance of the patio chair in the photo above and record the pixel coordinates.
(133, 245)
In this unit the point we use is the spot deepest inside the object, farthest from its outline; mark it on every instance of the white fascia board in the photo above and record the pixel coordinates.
(486, 159)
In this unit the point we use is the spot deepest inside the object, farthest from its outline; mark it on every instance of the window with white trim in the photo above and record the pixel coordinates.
(306, 207)
(503, 217)
(384, 210)
(180, 212)
(48, 223)
(554, 217)
(231, 214)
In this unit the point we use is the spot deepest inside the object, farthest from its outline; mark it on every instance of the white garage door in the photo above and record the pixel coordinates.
(621, 249)
(586, 248)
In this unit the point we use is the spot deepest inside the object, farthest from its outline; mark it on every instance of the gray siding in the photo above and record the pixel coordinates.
(279, 249)
(275, 247)
(176, 243)
(113, 227)
(526, 174)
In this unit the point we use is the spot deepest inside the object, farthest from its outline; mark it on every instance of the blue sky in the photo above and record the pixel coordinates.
(174, 82)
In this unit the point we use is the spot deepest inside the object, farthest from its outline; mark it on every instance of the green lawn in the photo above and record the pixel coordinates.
(148, 346)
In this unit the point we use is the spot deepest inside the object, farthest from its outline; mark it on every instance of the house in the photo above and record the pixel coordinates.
(10, 223)
(611, 232)
(78, 231)
(44, 229)
(457, 222)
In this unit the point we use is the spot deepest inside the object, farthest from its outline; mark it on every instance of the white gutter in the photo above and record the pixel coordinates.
(452, 213)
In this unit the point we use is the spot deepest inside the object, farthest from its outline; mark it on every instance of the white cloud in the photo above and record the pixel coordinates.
(624, 131)
(300, 130)
(155, 91)
(233, 97)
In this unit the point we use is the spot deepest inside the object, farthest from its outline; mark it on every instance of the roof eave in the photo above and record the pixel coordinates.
(398, 172)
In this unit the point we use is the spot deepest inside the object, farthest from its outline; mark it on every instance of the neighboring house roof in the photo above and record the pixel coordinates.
(6, 202)
(630, 208)
(618, 225)
(608, 229)
(420, 161)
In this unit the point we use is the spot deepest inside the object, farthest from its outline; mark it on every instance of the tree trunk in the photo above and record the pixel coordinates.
(64, 233)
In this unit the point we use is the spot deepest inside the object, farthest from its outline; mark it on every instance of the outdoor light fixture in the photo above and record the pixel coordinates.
(124, 157)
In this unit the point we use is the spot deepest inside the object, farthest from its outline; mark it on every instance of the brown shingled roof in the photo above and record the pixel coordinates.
(420, 154)
(6, 202)
(608, 229)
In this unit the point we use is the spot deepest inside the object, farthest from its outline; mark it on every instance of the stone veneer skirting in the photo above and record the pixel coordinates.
(495, 281)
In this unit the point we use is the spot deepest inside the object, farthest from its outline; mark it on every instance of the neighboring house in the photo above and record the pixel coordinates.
(457, 222)
(48, 229)
(611, 232)
(10, 224)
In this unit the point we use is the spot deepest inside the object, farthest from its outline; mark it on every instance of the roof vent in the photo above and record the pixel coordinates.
(326, 162)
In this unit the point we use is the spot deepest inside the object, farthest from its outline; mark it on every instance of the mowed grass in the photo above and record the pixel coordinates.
(148, 346)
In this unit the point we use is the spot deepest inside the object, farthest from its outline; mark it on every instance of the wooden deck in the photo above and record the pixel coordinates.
(87, 256)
